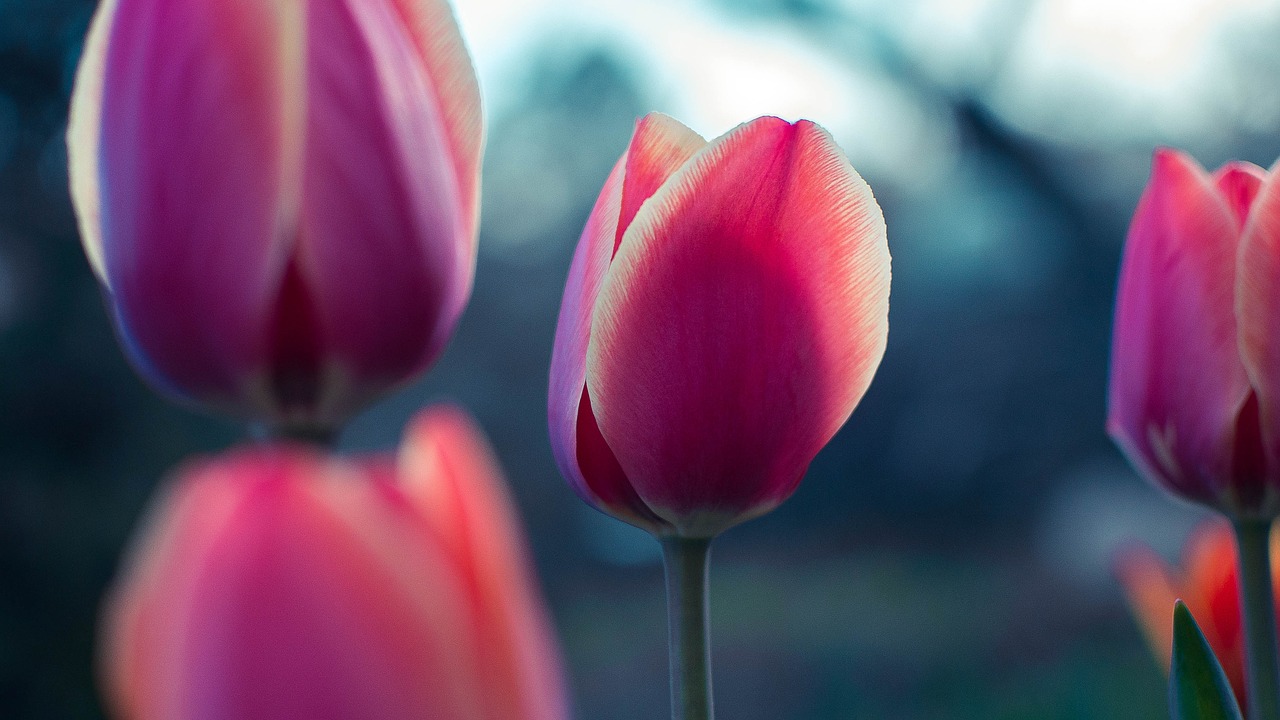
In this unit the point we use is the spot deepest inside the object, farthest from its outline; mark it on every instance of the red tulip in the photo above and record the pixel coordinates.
(725, 311)
(1206, 582)
(1197, 336)
(280, 197)
(281, 584)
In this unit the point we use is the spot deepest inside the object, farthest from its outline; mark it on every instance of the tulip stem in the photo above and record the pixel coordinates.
(1253, 537)
(689, 639)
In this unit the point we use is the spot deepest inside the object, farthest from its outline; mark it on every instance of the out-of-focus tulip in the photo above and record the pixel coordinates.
(1195, 361)
(1206, 582)
(725, 311)
(280, 584)
(280, 197)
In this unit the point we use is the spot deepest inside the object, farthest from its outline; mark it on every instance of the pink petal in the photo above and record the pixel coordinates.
(1238, 182)
(387, 249)
(201, 114)
(319, 595)
(1257, 293)
(658, 147)
(449, 470)
(1177, 383)
(139, 669)
(84, 125)
(435, 35)
(743, 318)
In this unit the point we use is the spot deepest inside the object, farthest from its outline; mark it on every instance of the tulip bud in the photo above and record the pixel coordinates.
(1207, 582)
(277, 583)
(279, 197)
(1197, 336)
(726, 309)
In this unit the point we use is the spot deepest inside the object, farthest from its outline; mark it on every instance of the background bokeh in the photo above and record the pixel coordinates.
(948, 555)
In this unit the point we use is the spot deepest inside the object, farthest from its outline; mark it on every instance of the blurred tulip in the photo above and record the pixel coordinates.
(279, 197)
(1197, 336)
(725, 311)
(280, 584)
(1207, 582)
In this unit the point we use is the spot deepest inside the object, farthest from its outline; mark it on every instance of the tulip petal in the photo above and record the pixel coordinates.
(1177, 382)
(1257, 295)
(435, 34)
(140, 670)
(382, 203)
(658, 148)
(200, 121)
(84, 127)
(1151, 592)
(319, 611)
(742, 319)
(449, 470)
(1239, 182)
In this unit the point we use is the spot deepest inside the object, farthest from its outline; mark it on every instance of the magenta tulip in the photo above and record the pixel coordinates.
(1195, 363)
(281, 584)
(725, 311)
(279, 198)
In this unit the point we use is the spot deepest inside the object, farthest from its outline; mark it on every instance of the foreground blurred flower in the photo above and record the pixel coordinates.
(279, 584)
(726, 309)
(1195, 362)
(279, 198)
(1206, 582)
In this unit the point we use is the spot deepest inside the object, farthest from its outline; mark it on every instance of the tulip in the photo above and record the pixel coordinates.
(1194, 357)
(280, 584)
(1206, 581)
(725, 311)
(278, 197)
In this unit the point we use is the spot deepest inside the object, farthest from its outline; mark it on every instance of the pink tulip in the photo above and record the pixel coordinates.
(1195, 362)
(281, 584)
(725, 311)
(279, 197)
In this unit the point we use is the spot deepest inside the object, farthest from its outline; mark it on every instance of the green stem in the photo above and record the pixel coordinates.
(1253, 537)
(689, 638)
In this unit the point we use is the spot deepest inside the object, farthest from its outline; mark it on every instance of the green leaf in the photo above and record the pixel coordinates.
(1198, 689)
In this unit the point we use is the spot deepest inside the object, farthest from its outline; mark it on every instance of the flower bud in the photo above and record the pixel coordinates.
(725, 311)
(278, 583)
(1196, 346)
(279, 197)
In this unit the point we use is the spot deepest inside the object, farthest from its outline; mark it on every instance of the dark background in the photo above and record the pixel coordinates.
(947, 556)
